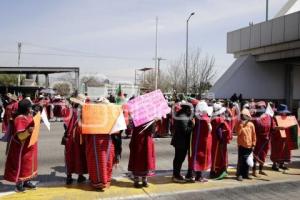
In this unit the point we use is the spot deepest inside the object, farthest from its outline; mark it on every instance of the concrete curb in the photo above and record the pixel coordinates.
(273, 190)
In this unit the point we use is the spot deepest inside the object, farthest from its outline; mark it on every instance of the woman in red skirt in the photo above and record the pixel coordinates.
(142, 154)
(200, 150)
(75, 157)
(21, 163)
(103, 151)
(221, 136)
(280, 152)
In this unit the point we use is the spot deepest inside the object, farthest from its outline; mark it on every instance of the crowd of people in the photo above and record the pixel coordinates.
(200, 130)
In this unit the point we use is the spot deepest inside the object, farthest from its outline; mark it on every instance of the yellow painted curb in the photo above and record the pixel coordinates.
(157, 185)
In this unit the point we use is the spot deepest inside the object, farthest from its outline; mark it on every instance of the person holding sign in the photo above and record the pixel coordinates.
(75, 158)
(280, 152)
(142, 153)
(21, 163)
(102, 144)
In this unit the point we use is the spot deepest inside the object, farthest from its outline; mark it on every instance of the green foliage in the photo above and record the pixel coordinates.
(9, 79)
(62, 89)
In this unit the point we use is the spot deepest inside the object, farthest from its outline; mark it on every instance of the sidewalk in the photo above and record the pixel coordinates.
(160, 185)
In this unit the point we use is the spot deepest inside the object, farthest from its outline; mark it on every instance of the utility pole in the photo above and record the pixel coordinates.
(19, 57)
(267, 10)
(158, 67)
(156, 61)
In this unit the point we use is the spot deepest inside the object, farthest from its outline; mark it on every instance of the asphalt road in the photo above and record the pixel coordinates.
(51, 156)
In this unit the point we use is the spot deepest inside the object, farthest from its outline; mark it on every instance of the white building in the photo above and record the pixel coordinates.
(107, 89)
(267, 64)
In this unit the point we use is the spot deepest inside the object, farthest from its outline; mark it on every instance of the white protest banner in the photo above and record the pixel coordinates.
(120, 124)
(269, 110)
(45, 119)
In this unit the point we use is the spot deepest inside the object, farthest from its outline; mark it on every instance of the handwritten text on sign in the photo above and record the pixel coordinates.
(147, 107)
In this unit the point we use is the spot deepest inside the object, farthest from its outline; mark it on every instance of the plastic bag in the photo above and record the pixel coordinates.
(250, 161)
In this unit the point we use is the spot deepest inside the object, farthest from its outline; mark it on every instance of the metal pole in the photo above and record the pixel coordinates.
(19, 58)
(135, 77)
(187, 52)
(267, 10)
(186, 56)
(158, 68)
(156, 79)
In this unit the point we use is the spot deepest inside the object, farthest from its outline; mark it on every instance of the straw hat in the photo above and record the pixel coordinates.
(246, 112)
(57, 97)
(102, 100)
(12, 96)
(76, 100)
(218, 109)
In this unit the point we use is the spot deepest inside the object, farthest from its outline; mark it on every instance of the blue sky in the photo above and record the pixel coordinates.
(119, 35)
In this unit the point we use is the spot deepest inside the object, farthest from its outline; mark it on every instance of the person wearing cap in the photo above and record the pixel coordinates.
(9, 115)
(183, 127)
(221, 136)
(75, 158)
(264, 126)
(200, 147)
(21, 163)
(246, 139)
(280, 152)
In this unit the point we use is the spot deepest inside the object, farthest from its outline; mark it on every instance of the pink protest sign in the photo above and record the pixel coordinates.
(147, 107)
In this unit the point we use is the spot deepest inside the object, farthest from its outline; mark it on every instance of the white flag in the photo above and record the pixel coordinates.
(269, 110)
(45, 119)
(120, 124)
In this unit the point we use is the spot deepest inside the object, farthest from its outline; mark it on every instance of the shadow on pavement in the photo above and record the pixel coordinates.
(60, 169)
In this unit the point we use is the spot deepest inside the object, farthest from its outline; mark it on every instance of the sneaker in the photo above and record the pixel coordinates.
(19, 187)
(203, 180)
(136, 184)
(247, 177)
(178, 179)
(29, 185)
(239, 178)
(81, 179)
(189, 179)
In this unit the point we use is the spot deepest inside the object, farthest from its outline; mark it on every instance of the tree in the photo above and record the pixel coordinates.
(91, 81)
(63, 88)
(201, 72)
(9, 79)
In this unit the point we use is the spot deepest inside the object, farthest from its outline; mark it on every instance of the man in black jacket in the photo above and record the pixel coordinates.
(183, 126)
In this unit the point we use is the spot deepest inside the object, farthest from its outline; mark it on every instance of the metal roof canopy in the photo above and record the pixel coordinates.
(37, 70)
(42, 70)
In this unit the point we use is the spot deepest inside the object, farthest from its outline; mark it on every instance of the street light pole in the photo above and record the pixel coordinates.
(156, 29)
(187, 52)
(267, 10)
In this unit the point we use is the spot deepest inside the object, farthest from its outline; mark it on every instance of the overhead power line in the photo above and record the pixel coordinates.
(72, 55)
